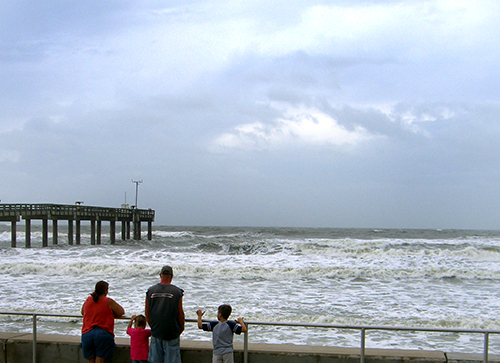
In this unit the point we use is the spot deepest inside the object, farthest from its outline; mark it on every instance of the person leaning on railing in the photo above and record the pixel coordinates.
(99, 313)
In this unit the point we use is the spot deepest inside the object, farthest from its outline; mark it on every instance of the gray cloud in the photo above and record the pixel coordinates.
(233, 115)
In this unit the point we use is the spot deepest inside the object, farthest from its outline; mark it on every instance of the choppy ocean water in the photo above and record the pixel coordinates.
(417, 278)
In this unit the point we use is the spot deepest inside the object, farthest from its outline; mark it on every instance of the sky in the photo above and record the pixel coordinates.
(306, 113)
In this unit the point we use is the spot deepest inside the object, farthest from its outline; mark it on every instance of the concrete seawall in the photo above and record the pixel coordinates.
(18, 348)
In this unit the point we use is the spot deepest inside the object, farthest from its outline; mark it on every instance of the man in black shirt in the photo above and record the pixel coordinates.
(166, 318)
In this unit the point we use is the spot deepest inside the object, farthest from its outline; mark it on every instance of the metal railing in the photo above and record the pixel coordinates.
(362, 329)
(29, 210)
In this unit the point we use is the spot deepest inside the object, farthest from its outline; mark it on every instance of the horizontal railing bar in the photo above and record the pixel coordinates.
(304, 325)
(49, 314)
(375, 327)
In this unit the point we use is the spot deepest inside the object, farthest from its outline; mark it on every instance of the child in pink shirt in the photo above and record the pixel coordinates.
(139, 339)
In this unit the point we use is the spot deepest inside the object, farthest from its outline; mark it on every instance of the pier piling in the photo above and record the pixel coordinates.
(77, 231)
(45, 232)
(112, 232)
(70, 232)
(27, 232)
(55, 232)
(13, 232)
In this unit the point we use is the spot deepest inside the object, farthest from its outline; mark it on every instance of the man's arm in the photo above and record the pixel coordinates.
(146, 311)
(181, 317)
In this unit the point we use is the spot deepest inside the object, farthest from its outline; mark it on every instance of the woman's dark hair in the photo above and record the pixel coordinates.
(100, 288)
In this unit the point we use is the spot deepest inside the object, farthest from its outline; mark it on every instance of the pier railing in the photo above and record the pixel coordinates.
(77, 210)
(74, 214)
(361, 328)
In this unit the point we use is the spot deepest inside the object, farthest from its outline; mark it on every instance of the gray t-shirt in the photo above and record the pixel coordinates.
(163, 301)
(222, 335)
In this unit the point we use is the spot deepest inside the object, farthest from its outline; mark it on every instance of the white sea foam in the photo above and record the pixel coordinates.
(168, 234)
(308, 276)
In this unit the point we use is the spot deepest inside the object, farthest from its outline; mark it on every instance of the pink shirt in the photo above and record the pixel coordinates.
(139, 343)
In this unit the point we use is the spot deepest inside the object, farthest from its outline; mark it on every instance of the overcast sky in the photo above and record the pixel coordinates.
(362, 113)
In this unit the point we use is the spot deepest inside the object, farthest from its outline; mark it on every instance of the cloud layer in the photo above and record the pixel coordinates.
(317, 113)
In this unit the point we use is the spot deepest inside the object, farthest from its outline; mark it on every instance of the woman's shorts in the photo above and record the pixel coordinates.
(98, 343)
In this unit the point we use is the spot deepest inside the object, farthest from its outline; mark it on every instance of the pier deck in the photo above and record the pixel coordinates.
(75, 214)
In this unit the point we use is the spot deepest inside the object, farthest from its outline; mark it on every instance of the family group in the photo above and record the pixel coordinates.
(165, 316)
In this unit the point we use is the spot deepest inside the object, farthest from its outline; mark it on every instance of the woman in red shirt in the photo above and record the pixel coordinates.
(99, 313)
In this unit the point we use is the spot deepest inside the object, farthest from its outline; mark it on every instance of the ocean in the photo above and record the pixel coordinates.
(398, 277)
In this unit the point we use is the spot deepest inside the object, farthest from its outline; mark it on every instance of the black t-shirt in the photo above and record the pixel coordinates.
(163, 303)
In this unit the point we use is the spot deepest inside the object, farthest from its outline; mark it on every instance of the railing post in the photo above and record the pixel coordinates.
(485, 352)
(362, 353)
(34, 338)
(245, 346)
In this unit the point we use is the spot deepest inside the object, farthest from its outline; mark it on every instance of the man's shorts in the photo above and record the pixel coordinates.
(98, 343)
(164, 351)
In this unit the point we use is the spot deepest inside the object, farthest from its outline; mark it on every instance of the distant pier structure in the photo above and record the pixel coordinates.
(74, 214)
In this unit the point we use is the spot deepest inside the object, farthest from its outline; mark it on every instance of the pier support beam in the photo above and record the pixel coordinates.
(27, 233)
(92, 232)
(55, 232)
(77, 232)
(150, 230)
(128, 229)
(99, 225)
(123, 230)
(137, 230)
(45, 232)
(112, 232)
(13, 233)
(70, 231)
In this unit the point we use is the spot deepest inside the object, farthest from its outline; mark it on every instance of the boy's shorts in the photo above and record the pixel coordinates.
(225, 358)
(98, 343)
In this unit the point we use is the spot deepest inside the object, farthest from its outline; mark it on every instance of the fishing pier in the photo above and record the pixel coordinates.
(74, 214)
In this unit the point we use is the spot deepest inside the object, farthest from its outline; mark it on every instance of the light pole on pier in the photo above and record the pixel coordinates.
(137, 220)
(137, 182)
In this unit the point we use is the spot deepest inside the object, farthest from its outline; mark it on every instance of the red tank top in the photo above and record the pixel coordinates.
(98, 314)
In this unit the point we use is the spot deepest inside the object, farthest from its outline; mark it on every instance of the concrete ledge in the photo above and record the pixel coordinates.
(18, 348)
(277, 353)
(470, 357)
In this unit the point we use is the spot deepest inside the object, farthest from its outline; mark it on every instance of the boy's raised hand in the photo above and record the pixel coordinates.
(243, 326)
(200, 314)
